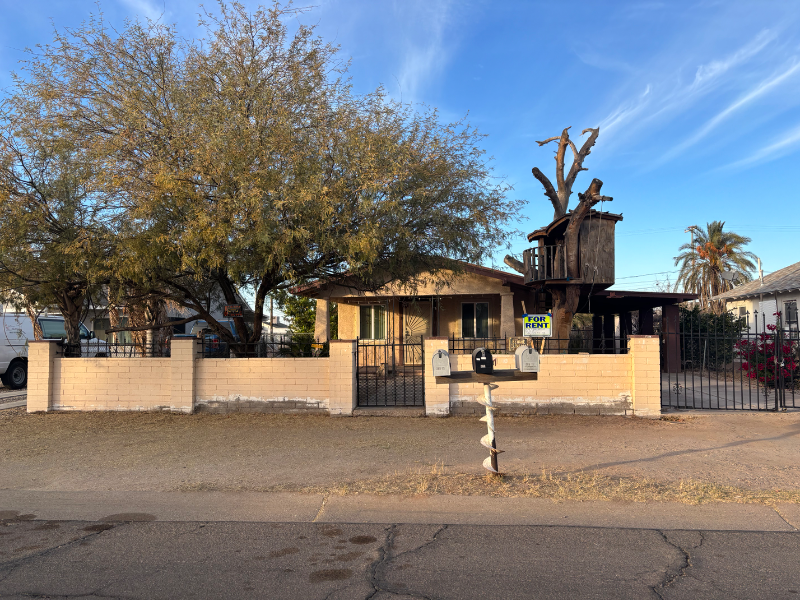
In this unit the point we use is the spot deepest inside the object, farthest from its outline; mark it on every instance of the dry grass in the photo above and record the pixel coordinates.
(677, 418)
(570, 486)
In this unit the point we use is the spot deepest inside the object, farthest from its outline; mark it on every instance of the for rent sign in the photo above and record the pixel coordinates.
(537, 325)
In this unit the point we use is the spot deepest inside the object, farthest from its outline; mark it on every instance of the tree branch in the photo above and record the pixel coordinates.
(154, 326)
(548, 140)
(563, 191)
(549, 191)
(580, 156)
(515, 264)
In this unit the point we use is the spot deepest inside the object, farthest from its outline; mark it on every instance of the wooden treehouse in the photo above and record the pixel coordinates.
(546, 262)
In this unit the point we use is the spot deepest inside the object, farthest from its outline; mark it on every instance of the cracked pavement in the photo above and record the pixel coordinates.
(128, 556)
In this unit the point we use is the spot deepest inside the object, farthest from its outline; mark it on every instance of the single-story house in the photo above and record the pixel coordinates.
(479, 304)
(763, 297)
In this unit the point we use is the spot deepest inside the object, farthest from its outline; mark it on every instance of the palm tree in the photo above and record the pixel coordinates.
(703, 263)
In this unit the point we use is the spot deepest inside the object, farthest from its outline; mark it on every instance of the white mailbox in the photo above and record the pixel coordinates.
(441, 363)
(526, 360)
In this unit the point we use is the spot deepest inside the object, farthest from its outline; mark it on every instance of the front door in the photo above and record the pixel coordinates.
(417, 319)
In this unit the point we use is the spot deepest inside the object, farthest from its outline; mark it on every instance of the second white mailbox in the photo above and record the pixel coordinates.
(441, 363)
(526, 360)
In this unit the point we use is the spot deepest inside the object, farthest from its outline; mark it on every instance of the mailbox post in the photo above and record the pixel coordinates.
(485, 373)
(489, 441)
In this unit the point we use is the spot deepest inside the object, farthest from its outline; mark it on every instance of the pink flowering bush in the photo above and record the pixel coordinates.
(759, 361)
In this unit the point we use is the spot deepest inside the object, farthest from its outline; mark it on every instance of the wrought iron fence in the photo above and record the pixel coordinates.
(211, 346)
(578, 342)
(495, 345)
(294, 346)
(99, 349)
(722, 363)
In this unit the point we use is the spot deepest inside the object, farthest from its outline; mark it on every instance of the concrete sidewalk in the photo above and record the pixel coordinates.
(442, 510)
(13, 398)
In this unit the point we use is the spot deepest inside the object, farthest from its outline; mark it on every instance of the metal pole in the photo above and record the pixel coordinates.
(488, 440)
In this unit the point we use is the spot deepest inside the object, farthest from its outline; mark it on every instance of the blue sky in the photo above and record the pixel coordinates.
(698, 103)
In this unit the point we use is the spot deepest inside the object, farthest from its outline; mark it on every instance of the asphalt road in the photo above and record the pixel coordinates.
(127, 556)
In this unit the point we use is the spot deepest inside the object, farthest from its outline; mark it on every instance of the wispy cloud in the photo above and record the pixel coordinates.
(761, 89)
(425, 52)
(777, 148)
(146, 8)
(716, 68)
(669, 95)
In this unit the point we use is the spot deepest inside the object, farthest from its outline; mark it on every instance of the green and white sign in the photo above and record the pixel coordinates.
(537, 325)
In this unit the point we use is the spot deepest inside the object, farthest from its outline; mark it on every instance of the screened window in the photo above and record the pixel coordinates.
(373, 322)
(475, 319)
(790, 314)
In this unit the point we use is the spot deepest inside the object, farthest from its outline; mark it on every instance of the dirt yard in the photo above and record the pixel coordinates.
(161, 452)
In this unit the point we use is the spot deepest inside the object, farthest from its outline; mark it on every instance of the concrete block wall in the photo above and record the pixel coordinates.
(645, 374)
(262, 384)
(112, 384)
(567, 384)
(343, 384)
(588, 384)
(184, 382)
(41, 356)
(437, 397)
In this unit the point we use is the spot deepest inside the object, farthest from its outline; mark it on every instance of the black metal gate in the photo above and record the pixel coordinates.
(749, 365)
(390, 374)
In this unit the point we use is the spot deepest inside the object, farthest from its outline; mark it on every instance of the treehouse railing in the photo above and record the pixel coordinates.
(545, 262)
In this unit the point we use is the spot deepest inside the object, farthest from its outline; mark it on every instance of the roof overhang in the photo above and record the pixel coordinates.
(563, 221)
(315, 288)
(620, 301)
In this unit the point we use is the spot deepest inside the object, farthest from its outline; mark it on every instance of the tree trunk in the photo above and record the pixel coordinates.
(34, 317)
(114, 320)
(565, 303)
(71, 304)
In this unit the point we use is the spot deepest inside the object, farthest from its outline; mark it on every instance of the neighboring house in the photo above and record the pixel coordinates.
(762, 298)
(278, 329)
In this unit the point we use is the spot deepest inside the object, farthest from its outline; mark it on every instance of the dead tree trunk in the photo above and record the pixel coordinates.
(567, 296)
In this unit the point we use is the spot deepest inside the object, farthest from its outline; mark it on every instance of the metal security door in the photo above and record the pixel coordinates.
(385, 378)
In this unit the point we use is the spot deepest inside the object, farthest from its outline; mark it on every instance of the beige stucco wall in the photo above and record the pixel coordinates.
(348, 321)
(618, 384)
(303, 382)
(184, 382)
(466, 283)
(591, 384)
(113, 384)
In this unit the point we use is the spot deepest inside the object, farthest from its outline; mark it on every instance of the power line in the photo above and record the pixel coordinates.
(647, 274)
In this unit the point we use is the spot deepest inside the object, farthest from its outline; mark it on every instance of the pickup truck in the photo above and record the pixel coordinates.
(15, 331)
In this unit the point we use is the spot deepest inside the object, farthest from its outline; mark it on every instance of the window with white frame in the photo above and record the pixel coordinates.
(373, 322)
(475, 319)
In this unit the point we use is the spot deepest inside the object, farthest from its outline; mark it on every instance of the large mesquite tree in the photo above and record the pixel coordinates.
(244, 161)
(55, 226)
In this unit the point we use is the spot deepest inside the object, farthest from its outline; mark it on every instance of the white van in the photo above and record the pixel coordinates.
(15, 332)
